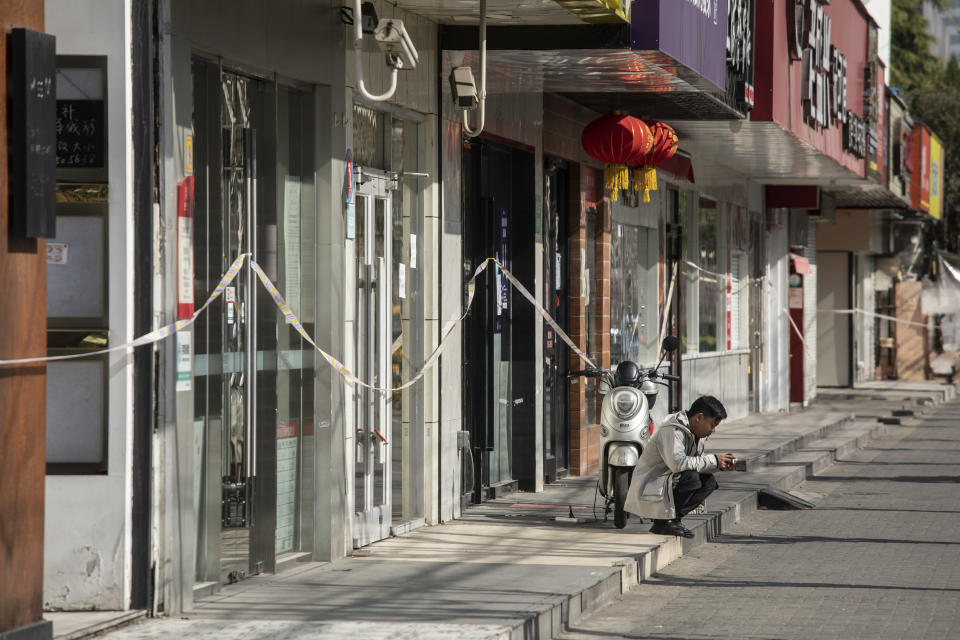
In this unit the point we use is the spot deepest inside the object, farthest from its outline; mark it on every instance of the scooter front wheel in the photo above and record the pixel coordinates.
(621, 484)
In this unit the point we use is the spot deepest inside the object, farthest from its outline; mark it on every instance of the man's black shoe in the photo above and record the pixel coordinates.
(670, 528)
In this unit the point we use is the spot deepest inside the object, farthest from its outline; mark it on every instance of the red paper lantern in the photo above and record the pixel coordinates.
(665, 142)
(615, 140)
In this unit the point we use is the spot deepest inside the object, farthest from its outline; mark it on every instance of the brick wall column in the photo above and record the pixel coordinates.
(601, 285)
(584, 429)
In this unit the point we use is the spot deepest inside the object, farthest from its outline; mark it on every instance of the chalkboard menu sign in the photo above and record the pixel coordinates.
(33, 160)
(80, 134)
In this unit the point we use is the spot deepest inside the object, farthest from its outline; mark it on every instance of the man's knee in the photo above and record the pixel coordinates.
(709, 481)
(689, 480)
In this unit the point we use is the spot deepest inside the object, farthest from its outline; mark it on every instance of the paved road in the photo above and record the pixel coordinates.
(878, 558)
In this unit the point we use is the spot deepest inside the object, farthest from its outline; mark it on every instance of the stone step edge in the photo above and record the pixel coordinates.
(634, 570)
(799, 442)
(122, 619)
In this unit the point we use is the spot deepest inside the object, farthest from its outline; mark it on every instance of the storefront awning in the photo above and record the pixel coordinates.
(767, 153)
(800, 264)
(593, 65)
(638, 82)
(679, 165)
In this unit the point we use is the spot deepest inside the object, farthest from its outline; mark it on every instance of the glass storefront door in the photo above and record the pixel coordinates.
(375, 347)
(388, 325)
(253, 374)
(556, 358)
(499, 348)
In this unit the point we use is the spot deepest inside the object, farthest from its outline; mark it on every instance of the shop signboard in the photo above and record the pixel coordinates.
(691, 32)
(898, 131)
(824, 70)
(873, 109)
(936, 176)
(740, 40)
(920, 193)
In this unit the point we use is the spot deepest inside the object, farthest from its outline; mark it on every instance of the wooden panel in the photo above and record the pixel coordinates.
(23, 333)
(911, 339)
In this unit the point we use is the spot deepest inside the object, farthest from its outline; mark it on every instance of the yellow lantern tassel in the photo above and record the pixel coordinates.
(649, 181)
(615, 178)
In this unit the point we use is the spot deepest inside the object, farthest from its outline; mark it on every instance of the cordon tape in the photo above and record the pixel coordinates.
(292, 319)
(164, 332)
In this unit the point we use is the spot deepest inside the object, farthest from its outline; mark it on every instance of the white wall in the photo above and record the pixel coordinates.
(87, 527)
(880, 11)
(775, 373)
(865, 363)
(810, 315)
(723, 375)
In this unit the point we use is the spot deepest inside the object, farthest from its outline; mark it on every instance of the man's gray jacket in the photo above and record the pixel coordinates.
(672, 449)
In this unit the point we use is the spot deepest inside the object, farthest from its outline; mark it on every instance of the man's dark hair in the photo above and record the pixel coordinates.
(708, 406)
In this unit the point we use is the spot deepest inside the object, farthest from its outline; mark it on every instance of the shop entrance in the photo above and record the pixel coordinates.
(253, 385)
(386, 326)
(499, 376)
(834, 347)
(373, 494)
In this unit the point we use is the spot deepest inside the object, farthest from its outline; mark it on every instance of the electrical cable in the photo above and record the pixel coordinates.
(468, 455)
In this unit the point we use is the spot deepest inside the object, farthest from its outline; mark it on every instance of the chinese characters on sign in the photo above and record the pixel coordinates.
(32, 68)
(80, 138)
(855, 135)
(740, 91)
(825, 78)
(824, 68)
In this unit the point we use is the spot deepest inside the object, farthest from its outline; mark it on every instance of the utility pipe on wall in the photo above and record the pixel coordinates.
(482, 98)
(358, 52)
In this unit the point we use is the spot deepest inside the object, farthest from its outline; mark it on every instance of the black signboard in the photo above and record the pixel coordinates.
(740, 39)
(33, 138)
(80, 134)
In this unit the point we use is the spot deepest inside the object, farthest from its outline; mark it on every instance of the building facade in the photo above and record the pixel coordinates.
(344, 244)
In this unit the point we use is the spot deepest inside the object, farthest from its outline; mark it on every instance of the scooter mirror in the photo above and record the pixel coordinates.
(670, 344)
(603, 386)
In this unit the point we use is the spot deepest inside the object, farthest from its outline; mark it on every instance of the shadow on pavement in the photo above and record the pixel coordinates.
(669, 581)
(922, 479)
(728, 538)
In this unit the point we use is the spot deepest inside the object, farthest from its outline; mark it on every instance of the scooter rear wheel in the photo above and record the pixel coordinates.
(621, 484)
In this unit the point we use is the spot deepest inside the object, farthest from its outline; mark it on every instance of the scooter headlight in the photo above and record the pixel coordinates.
(626, 402)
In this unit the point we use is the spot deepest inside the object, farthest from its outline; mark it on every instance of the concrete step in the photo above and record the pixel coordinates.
(928, 394)
(508, 569)
(784, 467)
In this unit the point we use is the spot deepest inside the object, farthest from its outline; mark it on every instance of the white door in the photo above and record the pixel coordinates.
(833, 329)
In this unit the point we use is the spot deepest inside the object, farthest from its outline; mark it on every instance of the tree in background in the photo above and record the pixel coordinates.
(932, 87)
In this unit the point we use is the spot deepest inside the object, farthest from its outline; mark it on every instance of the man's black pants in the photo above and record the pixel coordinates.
(692, 488)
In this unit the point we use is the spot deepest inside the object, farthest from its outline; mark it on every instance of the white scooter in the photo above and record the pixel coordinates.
(625, 424)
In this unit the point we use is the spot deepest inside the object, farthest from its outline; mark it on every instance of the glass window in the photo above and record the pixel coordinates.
(689, 221)
(633, 294)
(738, 301)
(78, 267)
(710, 286)
(705, 298)
(368, 138)
(406, 322)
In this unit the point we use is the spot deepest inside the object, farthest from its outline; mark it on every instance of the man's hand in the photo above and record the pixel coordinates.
(725, 461)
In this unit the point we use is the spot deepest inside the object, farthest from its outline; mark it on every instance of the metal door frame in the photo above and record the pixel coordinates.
(374, 522)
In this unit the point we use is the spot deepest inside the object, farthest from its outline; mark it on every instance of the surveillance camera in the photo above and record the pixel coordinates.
(463, 88)
(396, 44)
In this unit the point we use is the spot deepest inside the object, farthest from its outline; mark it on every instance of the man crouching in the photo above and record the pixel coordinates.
(673, 476)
